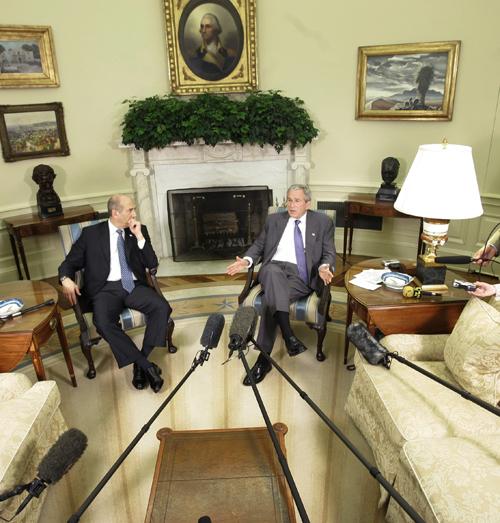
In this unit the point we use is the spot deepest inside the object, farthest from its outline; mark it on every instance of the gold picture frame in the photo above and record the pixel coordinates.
(407, 81)
(202, 61)
(32, 131)
(27, 57)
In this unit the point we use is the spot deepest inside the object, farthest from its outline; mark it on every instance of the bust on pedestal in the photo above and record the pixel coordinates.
(48, 202)
(388, 192)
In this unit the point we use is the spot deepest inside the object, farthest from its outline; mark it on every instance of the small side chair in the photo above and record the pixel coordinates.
(129, 318)
(312, 309)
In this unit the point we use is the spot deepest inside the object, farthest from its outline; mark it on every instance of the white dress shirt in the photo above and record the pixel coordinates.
(115, 272)
(286, 247)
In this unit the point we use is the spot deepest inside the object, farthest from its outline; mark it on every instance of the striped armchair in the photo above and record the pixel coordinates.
(129, 318)
(312, 309)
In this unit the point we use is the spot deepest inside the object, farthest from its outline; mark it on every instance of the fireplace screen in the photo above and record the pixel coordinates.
(216, 223)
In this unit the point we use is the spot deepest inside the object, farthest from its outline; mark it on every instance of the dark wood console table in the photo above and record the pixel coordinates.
(25, 225)
(368, 205)
(227, 475)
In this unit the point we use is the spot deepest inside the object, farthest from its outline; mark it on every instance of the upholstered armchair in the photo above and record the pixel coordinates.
(313, 310)
(129, 318)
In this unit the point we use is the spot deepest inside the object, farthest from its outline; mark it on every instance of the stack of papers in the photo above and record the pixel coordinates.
(369, 279)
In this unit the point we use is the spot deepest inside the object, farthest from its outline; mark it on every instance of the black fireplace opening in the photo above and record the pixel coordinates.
(216, 223)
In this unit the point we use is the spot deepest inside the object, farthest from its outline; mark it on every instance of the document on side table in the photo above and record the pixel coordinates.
(369, 279)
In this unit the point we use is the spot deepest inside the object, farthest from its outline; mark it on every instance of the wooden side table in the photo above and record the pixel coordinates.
(27, 333)
(228, 475)
(392, 313)
(368, 205)
(25, 225)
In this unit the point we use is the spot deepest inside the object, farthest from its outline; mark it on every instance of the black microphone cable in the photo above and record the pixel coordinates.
(492, 232)
(374, 471)
(209, 339)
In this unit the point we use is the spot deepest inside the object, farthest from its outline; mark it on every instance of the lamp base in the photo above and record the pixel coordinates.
(429, 272)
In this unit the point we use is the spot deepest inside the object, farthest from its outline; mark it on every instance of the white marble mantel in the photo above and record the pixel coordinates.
(183, 166)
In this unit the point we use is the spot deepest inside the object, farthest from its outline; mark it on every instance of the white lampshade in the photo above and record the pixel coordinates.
(441, 184)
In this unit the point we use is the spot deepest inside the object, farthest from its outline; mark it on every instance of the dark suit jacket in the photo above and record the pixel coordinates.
(92, 252)
(319, 242)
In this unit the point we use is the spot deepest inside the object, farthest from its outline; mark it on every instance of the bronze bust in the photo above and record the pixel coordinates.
(388, 191)
(49, 203)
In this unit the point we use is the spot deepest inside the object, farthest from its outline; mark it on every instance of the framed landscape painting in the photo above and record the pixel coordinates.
(27, 57)
(407, 81)
(32, 131)
(211, 45)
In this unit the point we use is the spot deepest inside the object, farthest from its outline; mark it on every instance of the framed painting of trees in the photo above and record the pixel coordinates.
(407, 81)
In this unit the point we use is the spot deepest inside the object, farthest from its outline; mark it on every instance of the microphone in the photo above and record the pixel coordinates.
(373, 352)
(63, 454)
(242, 328)
(209, 338)
(417, 292)
(459, 260)
(212, 332)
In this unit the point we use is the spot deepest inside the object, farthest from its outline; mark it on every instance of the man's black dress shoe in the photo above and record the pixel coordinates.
(294, 346)
(258, 371)
(153, 375)
(139, 380)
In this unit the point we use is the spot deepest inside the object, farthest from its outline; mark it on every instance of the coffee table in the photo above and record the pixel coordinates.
(29, 332)
(226, 474)
(391, 313)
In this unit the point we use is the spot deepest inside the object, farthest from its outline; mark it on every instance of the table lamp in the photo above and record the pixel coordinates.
(441, 186)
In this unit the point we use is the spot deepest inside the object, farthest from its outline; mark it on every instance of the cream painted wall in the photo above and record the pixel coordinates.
(109, 51)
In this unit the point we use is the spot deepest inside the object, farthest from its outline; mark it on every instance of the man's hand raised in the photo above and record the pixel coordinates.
(239, 265)
(70, 290)
(484, 255)
(135, 228)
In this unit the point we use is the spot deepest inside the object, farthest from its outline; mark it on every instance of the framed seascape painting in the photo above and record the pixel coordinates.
(211, 45)
(32, 131)
(27, 57)
(407, 81)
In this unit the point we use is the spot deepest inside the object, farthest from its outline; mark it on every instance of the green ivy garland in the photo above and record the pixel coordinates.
(261, 118)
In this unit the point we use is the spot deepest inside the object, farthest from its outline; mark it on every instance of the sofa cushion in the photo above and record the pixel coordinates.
(472, 351)
(452, 479)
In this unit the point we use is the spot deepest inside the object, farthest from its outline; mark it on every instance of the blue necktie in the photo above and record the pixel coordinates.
(300, 253)
(127, 276)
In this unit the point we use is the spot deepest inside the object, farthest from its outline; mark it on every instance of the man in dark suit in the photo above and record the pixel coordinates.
(115, 255)
(296, 250)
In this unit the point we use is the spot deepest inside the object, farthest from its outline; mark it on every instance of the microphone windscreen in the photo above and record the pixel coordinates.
(213, 330)
(460, 260)
(369, 347)
(63, 454)
(244, 322)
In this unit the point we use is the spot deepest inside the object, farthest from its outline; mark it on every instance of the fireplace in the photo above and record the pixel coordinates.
(215, 223)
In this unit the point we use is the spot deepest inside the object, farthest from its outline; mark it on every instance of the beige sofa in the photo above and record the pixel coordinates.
(441, 451)
(30, 422)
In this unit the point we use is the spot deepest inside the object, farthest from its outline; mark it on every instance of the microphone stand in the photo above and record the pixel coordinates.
(374, 471)
(465, 394)
(277, 448)
(199, 359)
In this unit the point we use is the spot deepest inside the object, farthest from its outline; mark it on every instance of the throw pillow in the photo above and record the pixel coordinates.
(472, 351)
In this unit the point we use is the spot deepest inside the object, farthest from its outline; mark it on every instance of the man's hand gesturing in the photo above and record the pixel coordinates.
(135, 228)
(325, 274)
(239, 265)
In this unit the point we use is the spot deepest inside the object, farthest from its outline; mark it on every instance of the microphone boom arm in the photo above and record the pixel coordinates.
(274, 439)
(374, 471)
(198, 360)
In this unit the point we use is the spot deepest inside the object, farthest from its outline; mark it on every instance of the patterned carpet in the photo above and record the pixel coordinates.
(192, 297)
